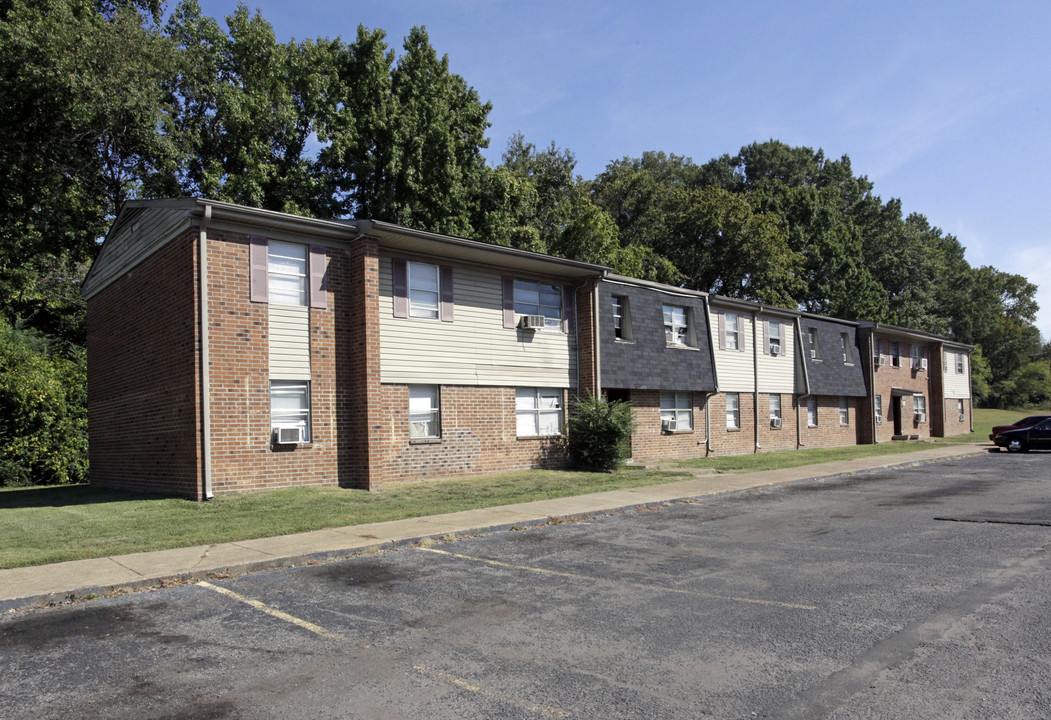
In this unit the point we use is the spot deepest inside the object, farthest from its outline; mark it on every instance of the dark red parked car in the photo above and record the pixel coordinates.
(1023, 423)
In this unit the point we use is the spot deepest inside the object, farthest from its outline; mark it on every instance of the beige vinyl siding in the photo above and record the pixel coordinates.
(142, 232)
(957, 385)
(289, 342)
(735, 368)
(474, 349)
(778, 374)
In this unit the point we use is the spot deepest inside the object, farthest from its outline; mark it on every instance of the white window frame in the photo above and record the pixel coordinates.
(914, 356)
(287, 270)
(733, 411)
(775, 407)
(732, 324)
(676, 325)
(535, 408)
(532, 297)
(895, 353)
(844, 411)
(848, 356)
(774, 338)
(919, 408)
(424, 412)
(622, 318)
(811, 411)
(879, 408)
(961, 410)
(287, 416)
(812, 345)
(959, 363)
(424, 288)
(676, 411)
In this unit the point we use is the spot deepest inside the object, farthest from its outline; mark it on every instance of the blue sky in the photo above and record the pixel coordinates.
(943, 104)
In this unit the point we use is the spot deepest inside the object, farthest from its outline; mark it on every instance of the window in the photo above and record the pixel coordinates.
(895, 354)
(676, 411)
(424, 412)
(290, 405)
(423, 290)
(775, 411)
(919, 407)
(538, 411)
(844, 411)
(844, 341)
(812, 343)
(959, 363)
(960, 410)
(811, 411)
(733, 411)
(622, 318)
(732, 332)
(774, 339)
(879, 408)
(914, 354)
(676, 327)
(287, 273)
(537, 298)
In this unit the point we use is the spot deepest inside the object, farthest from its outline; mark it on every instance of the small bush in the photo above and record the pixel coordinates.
(599, 433)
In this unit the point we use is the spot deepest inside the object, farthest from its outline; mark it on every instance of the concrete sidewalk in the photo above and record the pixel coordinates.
(64, 582)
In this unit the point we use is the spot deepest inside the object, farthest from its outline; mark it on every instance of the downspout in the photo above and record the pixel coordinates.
(715, 380)
(755, 379)
(596, 341)
(872, 385)
(206, 385)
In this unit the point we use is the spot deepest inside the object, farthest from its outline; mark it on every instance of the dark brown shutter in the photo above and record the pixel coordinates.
(318, 296)
(400, 287)
(445, 281)
(508, 284)
(258, 269)
(766, 336)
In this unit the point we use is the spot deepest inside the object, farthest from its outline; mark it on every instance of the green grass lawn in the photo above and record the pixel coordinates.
(45, 525)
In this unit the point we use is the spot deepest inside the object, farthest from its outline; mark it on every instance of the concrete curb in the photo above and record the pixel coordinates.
(357, 540)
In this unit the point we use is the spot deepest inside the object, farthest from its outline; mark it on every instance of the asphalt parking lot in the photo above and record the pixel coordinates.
(913, 593)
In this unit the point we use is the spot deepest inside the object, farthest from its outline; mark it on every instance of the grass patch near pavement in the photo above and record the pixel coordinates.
(54, 524)
(782, 459)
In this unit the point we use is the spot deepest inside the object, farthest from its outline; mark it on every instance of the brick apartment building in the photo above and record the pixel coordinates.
(234, 349)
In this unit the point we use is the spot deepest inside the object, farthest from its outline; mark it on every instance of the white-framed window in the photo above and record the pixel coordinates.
(919, 407)
(844, 341)
(287, 273)
(811, 337)
(914, 355)
(733, 331)
(811, 411)
(844, 411)
(960, 410)
(676, 325)
(774, 339)
(424, 411)
(959, 363)
(537, 298)
(775, 410)
(895, 354)
(290, 405)
(538, 411)
(879, 408)
(733, 411)
(423, 288)
(676, 411)
(622, 318)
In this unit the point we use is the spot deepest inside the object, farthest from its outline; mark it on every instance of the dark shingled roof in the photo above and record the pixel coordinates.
(647, 363)
(828, 374)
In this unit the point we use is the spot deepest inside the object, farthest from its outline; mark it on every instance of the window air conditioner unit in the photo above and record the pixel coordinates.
(288, 435)
(879, 418)
(921, 417)
(775, 350)
(532, 322)
(775, 422)
(668, 426)
(882, 361)
(963, 417)
(813, 354)
(923, 363)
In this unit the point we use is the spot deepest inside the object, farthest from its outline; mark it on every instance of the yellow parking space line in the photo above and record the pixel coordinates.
(471, 687)
(316, 629)
(641, 586)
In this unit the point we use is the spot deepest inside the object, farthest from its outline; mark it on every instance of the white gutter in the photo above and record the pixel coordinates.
(206, 385)
(806, 385)
(755, 378)
(596, 339)
(715, 379)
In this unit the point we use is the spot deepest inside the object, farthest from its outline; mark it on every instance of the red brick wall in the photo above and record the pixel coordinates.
(587, 336)
(829, 432)
(727, 441)
(649, 444)
(784, 437)
(885, 378)
(142, 376)
(478, 435)
(953, 424)
(243, 457)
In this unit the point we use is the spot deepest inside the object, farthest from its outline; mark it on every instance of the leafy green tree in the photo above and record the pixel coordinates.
(600, 433)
